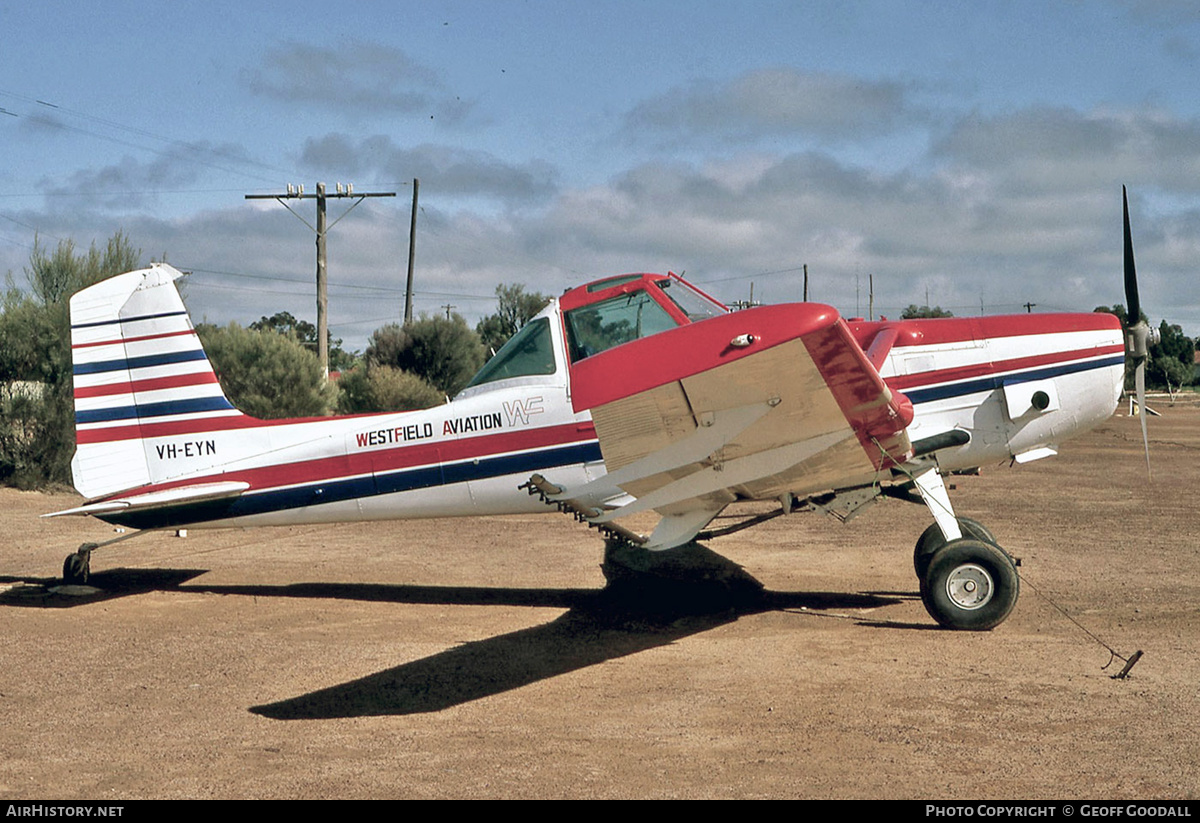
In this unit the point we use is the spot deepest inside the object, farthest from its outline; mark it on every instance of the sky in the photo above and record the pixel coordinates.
(962, 154)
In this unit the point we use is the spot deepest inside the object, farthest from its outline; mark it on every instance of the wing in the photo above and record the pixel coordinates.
(753, 405)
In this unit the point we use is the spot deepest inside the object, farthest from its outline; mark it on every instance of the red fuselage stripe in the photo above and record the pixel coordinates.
(987, 368)
(384, 460)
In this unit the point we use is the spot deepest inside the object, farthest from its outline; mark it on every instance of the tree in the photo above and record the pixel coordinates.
(1173, 357)
(374, 388)
(306, 334)
(54, 277)
(914, 311)
(37, 424)
(267, 375)
(1171, 360)
(514, 308)
(443, 351)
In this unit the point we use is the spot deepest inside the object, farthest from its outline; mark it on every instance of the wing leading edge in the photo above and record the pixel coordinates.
(754, 405)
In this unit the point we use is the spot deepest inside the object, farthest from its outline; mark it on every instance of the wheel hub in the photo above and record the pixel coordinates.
(969, 587)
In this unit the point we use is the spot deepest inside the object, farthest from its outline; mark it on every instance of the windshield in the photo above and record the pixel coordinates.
(529, 352)
(601, 326)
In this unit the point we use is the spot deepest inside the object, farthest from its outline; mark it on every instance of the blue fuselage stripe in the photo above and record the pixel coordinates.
(333, 491)
(948, 390)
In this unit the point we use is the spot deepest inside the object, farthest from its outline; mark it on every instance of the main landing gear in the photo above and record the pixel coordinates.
(78, 565)
(77, 568)
(967, 581)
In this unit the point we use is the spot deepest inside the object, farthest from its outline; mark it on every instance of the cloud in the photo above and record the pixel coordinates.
(1043, 149)
(1022, 206)
(771, 102)
(360, 77)
(130, 183)
(451, 172)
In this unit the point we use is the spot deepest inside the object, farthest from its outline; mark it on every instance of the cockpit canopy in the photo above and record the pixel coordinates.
(597, 317)
(607, 313)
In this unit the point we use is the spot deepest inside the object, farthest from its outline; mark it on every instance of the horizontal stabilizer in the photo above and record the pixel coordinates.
(182, 495)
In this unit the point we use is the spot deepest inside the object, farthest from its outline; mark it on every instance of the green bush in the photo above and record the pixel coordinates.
(374, 388)
(267, 375)
(445, 352)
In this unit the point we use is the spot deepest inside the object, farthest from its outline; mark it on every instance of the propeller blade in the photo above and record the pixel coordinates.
(1140, 384)
(1132, 305)
(1139, 334)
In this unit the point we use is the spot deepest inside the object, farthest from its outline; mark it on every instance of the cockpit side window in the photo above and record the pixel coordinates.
(529, 352)
(694, 306)
(601, 326)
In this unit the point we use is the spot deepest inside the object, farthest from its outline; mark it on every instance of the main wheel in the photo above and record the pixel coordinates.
(970, 585)
(931, 540)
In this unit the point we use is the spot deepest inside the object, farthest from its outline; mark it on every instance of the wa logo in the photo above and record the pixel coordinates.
(519, 411)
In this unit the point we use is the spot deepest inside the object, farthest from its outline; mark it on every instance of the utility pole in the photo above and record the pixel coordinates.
(871, 297)
(412, 251)
(296, 192)
(1029, 307)
(805, 282)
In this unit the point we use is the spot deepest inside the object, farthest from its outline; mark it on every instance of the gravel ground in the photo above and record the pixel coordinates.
(480, 658)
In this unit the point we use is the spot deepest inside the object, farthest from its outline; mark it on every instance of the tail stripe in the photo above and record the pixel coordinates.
(132, 339)
(153, 384)
(157, 316)
(145, 410)
(127, 364)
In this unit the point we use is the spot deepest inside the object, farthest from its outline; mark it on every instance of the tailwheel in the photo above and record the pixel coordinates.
(78, 565)
(970, 585)
(932, 539)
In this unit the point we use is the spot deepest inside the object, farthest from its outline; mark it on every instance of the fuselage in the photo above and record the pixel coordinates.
(1016, 385)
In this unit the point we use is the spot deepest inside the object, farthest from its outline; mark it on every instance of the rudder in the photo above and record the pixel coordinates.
(139, 372)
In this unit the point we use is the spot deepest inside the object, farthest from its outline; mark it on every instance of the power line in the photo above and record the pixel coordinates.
(191, 149)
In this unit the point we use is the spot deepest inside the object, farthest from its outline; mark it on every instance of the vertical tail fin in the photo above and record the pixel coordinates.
(139, 372)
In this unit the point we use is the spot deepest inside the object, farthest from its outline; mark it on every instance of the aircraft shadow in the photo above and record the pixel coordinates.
(638, 610)
(48, 593)
(655, 603)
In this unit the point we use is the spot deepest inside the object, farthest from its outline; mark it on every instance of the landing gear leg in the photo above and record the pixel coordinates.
(932, 539)
(78, 565)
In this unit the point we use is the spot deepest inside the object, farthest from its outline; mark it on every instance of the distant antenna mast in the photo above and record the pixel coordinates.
(805, 282)
(871, 296)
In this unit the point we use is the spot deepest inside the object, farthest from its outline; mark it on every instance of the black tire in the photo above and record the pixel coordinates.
(76, 569)
(931, 540)
(970, 585)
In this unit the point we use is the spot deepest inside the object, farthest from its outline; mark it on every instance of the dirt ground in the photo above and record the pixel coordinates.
(481, 658)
